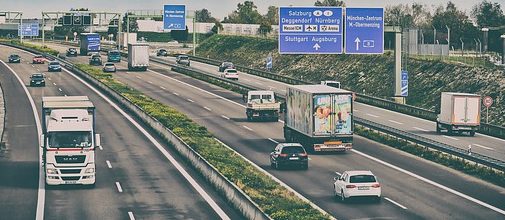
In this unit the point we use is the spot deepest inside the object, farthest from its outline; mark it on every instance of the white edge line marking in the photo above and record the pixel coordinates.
(119, 188)
(248, 128)
(397, 204)
(421, 129)
(208, 109)
(372, 115)
(130, 214)
(275, 179)
(481, 146)
(272, 140)
(464, 196)
(224, 116)
(453, 138)
(41, 194)
(165, 153)
(393, 121)
(108, 164)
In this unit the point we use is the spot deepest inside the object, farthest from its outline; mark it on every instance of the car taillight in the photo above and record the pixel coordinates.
(350, 186)
(376, 185)
(283, 155)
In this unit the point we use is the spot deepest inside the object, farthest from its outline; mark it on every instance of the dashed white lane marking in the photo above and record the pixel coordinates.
(163, 88)
(54, 83)
(38, 70)
(248, 128)
(421, 129)
(100, 147)
(224, 116)
(150, 82)
(481, 146)
(208, 109)
(397, 204)
(177, 94)
(453, 138)
(108, 164)
(247, 80)
(372, 115)
(59, 89)
(138, 77)
(190, 100)
(272, 140)
(258, 83)
(49, 78)
(393, 121)
(271, 88)
(119, 188)
(130, 214)
(355, 110)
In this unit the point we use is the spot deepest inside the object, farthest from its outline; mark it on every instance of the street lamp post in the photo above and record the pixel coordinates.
(503, 52)
(485, 38)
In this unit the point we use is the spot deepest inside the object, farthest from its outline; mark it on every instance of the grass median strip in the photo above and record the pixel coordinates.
(32, 46)
(272, 198)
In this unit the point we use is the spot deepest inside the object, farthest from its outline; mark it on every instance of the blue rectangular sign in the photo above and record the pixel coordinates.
(405, 83)
(310, 30)
(29, 30)
(364, 31)
(174, 17)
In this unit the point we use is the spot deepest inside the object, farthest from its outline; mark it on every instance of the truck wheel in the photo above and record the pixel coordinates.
(472, 133)
(449, 130)
(438, 128)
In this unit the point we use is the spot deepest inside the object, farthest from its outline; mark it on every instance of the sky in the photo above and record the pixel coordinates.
(218, 8)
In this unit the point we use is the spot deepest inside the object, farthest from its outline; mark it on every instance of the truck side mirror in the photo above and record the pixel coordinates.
(42, 139)
(98, 142)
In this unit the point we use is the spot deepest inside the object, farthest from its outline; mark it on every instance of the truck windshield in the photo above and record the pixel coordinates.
(69, 139)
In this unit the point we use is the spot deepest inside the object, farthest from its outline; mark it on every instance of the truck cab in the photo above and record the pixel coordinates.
(69, 140)
(262, 105)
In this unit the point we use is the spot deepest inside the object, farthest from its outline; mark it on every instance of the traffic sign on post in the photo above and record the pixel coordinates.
(174, 17)
(405, 83)
(29, 30)
(310, 30)
(488, 101)
(364, 30)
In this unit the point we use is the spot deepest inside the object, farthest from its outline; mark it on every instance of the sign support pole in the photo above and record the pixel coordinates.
(194, 35)
(487, 115)
(21, 28)
(398, 63)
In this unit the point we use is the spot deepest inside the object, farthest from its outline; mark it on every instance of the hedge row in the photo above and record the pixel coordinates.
(273, 199)
(479, 171)
(44, 49)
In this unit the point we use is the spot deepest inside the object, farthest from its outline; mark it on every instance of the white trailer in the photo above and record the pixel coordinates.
(138, 56)
(69, 140)
(459, 112)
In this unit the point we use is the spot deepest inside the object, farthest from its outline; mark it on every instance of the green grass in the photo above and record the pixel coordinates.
(41, 49)
(273, 199)
(470, 61)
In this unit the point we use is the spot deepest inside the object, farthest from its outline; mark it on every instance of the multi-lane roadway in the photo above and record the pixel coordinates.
(412, 187)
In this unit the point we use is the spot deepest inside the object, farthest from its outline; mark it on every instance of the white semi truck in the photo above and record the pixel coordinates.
(459, 112)
(138, 56)
(262, 105)
(319, 117)
(69, 140)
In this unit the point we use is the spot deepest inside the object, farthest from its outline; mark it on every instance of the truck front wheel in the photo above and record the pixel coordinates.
(472, 133)
(438, 128)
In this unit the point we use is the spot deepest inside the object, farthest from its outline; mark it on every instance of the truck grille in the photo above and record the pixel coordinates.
(71, 159)
(70, 178)
(70, 171)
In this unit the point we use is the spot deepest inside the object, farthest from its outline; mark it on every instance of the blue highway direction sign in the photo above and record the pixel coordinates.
(174, 17)
(29, 30)
(405, 83)
(364, 30)
(310, 30)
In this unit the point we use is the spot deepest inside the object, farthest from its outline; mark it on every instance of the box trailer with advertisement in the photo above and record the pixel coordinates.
(319, 117)
(89, 43)
(459, 112)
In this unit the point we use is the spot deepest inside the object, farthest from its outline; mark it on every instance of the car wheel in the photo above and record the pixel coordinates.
(378, 199)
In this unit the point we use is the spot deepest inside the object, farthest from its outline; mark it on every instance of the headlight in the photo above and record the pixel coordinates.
(42, 81)
(51, 171)
(90, 170)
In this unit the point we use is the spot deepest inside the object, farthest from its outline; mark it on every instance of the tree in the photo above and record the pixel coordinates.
(265, 28)
(134, 27)
(488, 14)
(246, 13)
(204, 16)
(272, 15)
(330, 3)
(415, 15)
(459, 23)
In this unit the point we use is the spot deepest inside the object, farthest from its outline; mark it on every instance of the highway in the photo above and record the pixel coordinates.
(134, 180)
(409, 184)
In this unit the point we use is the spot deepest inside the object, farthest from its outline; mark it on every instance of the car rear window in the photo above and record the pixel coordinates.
(37, 76)
(54, 63)
(114, 53)
(292, 150)
(362, 179)
(183, 58)
(109, 64)
(231, 71)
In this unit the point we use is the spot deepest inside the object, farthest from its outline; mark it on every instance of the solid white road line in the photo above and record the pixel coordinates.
(119, 188)
(165, 153)
(41, 194)
(421, 129)
(208, 109)
(108, 164)
(481, 146)
(224, 116)
(372, 115)
(190, 100)
(393, 121)
(272, 140)
(130, 214)
(433, 183)
(248, 128)
(397, 204)
(453, 138)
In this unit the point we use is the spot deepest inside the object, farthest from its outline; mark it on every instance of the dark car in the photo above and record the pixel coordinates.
(183, 60)
(54, 66)
(289, 154)
(162, 52)
(71, 52)
(95, 61)
(37, 79)
(14, 58)
(226, 65)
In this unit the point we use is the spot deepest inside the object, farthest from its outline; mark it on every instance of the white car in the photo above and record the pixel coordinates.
(109, 67)
(230, 74)
(356, 184)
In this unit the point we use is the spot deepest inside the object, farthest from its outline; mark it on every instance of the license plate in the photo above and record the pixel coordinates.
(70, 182)
(363, 187)
(294, 158)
